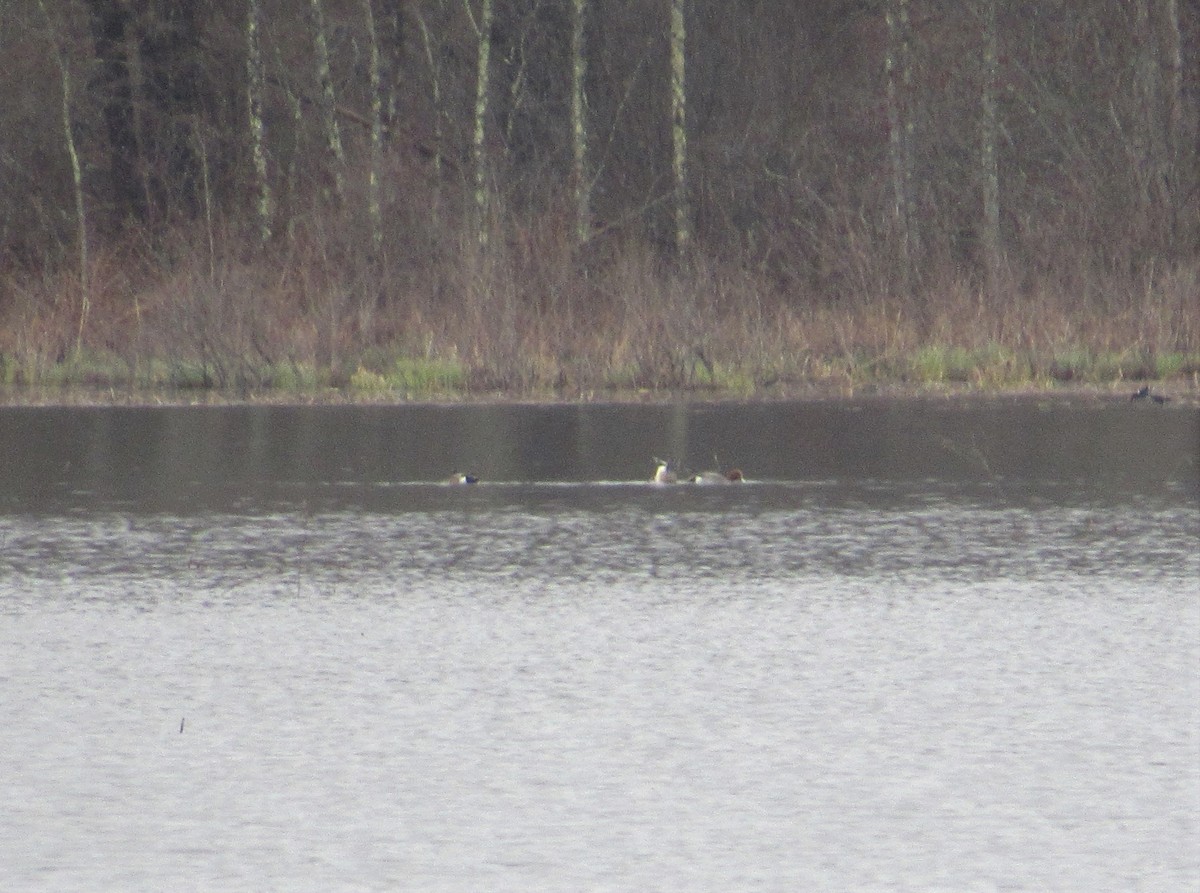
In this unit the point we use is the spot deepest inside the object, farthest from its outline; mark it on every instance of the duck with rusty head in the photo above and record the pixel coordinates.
(732, 476)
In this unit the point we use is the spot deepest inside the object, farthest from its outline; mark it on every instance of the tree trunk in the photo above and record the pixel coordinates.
(390, 25)
(1152, 144)
(435, 89)
(898, 68)
(580, 176)
(1177, 186)
(291, 174)
(76, 180)
(333, 137)
(679, 157)
(374, 212)
(483, 31)
(989, 167)
(255, 88)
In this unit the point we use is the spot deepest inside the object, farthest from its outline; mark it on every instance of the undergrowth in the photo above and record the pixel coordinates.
(548, 322)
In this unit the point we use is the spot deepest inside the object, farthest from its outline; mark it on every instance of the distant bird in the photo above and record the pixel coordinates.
(1144, 392)
(664, 473)
(733, 476)
(459, 478)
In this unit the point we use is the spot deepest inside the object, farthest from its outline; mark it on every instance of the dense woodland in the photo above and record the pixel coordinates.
(576, 194)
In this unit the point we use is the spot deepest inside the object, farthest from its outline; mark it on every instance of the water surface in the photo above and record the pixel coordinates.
(928, 646)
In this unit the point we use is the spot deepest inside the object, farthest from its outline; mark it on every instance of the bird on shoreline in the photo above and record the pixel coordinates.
(1144, 392)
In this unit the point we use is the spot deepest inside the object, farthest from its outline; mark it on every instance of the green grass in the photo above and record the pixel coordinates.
(382, 373)
(410, 376)
(420, 376)
(1176, 365)
(941, 363)
(297, 377)
(993, 365)
(1077, 363)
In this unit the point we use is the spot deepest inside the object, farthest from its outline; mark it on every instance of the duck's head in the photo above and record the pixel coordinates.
(734, 475)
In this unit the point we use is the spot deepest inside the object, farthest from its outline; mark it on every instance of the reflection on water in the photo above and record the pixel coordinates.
(269, 660)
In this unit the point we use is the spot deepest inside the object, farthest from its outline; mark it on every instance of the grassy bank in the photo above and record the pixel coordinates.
(383, 376)
(529, 320)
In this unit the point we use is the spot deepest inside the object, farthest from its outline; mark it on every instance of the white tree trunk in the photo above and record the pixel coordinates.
(580, 176)
(898, 70)
(479, 141)
(374, 210)
(988, 138)
(679, 156)
(255, 88)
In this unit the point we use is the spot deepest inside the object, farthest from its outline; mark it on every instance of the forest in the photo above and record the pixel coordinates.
(405, 198)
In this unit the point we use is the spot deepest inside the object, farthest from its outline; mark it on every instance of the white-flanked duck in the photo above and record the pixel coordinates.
(460, 478)
(664, 473)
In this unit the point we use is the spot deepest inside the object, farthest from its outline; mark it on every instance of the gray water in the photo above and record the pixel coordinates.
(927, 646)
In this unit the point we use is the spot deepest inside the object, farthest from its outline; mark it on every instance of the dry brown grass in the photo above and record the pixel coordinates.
(528, 314)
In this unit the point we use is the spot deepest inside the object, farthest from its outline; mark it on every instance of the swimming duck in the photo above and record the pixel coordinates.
(664, 473)
(733, 476)
(459, 478)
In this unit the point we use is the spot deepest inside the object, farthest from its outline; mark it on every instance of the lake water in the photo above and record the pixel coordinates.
(929, 645)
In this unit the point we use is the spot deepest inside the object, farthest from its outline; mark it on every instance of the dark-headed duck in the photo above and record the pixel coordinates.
(1144, 391)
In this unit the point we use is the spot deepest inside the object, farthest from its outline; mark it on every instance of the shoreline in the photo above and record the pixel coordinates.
(1179, 393)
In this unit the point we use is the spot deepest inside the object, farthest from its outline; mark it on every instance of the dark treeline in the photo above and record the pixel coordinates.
(386, 163)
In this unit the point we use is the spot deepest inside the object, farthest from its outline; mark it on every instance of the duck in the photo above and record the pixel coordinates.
(1144, 392)
(460, 478)
(664, 473)
(733, 476)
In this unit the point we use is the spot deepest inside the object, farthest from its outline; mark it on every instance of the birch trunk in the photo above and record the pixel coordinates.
(898, 69)
(683, 229)
(1174, 59)
(435, 89)
(1178, 185)
(483, 30)
(85, 286)
(255, 88)
(333, 136)
(580, 176)
(374, 211)
(64, 72)
(291, 174)
(988, 164)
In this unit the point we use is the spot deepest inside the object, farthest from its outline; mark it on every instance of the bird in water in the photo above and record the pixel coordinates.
(1144, 392)
(733, 476)
(459, 478)
(664, 473)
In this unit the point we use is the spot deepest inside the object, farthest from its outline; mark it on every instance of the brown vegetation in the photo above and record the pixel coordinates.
(806, 258)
